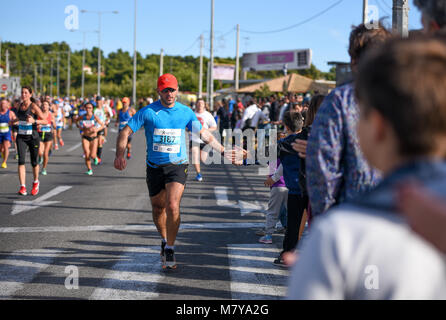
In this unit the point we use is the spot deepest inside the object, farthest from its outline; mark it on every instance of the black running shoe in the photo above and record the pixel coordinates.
(169, 261)
(280, 262)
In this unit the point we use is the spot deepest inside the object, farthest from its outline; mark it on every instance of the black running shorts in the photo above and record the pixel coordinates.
(45, 136)
(157, 178)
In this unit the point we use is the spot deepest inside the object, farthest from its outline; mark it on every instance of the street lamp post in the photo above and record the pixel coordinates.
(57, 74)
(68, 72)
(211, 78)
(51, 78)
(99, 13)
(134, 61)
(83, 59)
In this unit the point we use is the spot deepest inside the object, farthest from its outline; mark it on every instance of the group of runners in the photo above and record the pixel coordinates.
(36, 125)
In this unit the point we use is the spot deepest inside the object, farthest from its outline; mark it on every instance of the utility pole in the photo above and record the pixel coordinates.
(35, 77)
(237, 59)
(51, 78)
(208, 83)
(57, 74)
(365, 9)
(211, 91)
(99, 55)
(161, 62)
(7, 62)
(400, 17)
(41, 76)
(83, 65)
(46, 61)
(134, 61)
(68, 72)
(57, 53)
(83, 60)
(200, 79)
(99, 13)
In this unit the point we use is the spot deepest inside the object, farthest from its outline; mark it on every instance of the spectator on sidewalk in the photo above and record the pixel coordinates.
(365, 249)
(336, 169)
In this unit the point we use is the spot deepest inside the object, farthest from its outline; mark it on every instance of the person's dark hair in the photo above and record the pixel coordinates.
(365, 37)
(313, 107)
(293, 106)
(30, 90)
(405, 82)
(293, 120)
(434, 9)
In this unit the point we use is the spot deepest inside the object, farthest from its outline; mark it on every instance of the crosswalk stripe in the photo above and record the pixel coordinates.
(228, 225)
(21, 267)
(135, 277)
(137, 273)
(255, 278)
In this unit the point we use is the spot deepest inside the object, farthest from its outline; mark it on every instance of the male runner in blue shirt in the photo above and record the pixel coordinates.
(164, 122)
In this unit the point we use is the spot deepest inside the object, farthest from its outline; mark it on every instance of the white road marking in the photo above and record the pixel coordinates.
(221, 193)
(22, 206)
(21, 267)
(256, 278)
(74, 147)
(128, 228)
(263, 171)
(135, 277)
(113, 130)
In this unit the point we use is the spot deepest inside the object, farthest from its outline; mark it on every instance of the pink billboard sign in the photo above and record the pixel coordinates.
(279, 57)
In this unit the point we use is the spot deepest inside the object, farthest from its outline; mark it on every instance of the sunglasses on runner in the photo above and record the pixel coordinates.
(168, 90)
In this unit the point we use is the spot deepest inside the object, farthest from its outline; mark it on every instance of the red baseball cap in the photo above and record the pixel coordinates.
(125, 99)
(167, 80)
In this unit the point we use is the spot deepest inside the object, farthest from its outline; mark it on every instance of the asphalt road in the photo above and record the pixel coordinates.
(92, 237)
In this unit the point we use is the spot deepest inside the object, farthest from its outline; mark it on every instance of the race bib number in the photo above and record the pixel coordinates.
(4, 127)
(88, 123)
(45, 128)
(122, 125)
(167, 140)
(25, 128)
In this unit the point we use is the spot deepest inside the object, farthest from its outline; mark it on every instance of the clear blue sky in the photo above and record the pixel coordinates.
(176, 24)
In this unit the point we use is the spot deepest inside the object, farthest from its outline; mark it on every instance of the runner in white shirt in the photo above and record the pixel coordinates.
(100, 113)
(249, 114)
(207, 122)
(58, 115)
(108, 116)
(67, 113)
(257, 117)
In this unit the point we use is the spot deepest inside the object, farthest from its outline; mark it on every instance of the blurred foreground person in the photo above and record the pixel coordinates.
(365, 249)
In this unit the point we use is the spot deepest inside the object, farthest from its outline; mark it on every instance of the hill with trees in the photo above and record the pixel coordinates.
(117, 70)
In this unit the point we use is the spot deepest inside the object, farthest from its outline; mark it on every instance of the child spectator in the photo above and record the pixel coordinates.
(277, 199)
(290, 165)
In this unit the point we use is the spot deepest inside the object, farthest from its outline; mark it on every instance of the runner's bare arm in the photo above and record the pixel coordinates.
(37, 111)
(208, 138)
(234, 155)
(12, 118)
(121, 145)
(102, 125)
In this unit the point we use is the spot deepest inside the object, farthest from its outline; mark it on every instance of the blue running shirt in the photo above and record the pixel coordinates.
(165, 131)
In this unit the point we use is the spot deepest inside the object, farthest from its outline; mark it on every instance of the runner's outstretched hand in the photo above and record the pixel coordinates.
(120, 163)
(236, 155)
